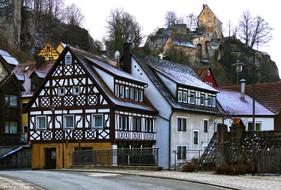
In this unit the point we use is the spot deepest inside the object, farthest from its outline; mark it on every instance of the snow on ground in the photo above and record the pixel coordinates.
(14, 184)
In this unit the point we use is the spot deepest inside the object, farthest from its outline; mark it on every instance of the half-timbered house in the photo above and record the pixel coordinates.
(187, 106)
(87, 102)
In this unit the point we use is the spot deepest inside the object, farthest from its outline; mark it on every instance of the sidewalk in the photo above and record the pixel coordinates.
(15, 184)
(246, 182)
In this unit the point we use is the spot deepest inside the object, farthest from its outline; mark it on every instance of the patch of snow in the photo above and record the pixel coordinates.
(232, 103)
(10, 60)
(4, 53)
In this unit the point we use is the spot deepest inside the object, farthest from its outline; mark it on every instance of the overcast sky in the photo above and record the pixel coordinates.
(150, 15)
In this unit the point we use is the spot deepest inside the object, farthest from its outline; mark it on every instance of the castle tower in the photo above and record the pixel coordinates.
(10, 21)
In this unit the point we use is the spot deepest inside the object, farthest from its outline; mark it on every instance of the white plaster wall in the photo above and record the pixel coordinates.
(267, 123)
(195, 121)
(108, 79)
(172, 86)
(162, 120)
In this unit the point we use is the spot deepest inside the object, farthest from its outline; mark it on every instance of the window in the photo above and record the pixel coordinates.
(76, 90)
(136, 123)
(179, 96)
(181, 123)
(127, 91)
(68, 59)
(184, 97)
(11, 127)
(205, 126)
(68, 121)
(149, 125)
(136, 94)
(202, 99)
(181, 152)
(51, 58)
(117, 90)
(97, 121)
(192, 97)
(123, 122)
(61, 91)
(11, 100)
(41, 122)
(195, 137)
(213, 101)
(257, 128)
(209, 101)
(132, 93)
(140, 95)
(121, 93)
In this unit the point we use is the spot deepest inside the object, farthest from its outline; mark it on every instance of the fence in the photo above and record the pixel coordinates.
(117, 157)
(182, 157)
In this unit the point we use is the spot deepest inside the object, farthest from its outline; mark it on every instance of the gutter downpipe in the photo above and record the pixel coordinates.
(170, 138)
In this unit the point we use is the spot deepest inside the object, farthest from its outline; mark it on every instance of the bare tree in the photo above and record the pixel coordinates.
(191, 21)
(121, 27)
(171, 19)
(73, 15)
(254, 30)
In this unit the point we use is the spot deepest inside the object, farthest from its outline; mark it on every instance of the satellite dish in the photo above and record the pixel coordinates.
(117, 56)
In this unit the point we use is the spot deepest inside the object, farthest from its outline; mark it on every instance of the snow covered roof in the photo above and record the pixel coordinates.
(8, 58)
(181, 74)
(41, 74)
(184, 43)
(143, 61)
(112, 69)
(86, 59)
(232, 104)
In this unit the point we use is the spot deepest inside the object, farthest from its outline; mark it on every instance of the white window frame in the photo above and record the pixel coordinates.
(141, 95)
(255, 128)
(37, 122)
(122, 91)
(204, 120)
(132, 93)
(59, 91)
(68, 59)
(179, 96)
(194, 99)
(74, 90)
(184, 97)
(64, 122)
(193, 132)
(202, 94)
(181, 152)
(117, 86)
(136, 94)
(181, 127)
(93, 121)
(127, 92)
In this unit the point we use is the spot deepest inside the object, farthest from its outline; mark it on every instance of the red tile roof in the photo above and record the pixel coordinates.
(268, 94)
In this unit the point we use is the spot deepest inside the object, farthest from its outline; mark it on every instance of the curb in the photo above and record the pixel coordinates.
(144, 175)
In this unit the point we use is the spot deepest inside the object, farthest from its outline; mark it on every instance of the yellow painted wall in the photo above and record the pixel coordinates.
(38, 153)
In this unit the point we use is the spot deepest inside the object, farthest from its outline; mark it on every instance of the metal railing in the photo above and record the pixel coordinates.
(117, 157)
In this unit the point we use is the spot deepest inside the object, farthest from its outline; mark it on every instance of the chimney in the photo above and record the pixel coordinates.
(127, 57)
(243, 83)
(204, 5)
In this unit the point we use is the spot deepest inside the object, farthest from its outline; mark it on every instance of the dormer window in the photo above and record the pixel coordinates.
(61, 91)
(179, 96)
(192, 97)
(76, 90)
(68, 59)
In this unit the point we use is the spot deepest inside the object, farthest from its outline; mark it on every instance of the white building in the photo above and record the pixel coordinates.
(239, 105)
(187, 106)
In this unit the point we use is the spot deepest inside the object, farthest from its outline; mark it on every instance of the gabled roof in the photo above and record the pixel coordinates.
(268, 94)
(206, 6)
(8, 78)
(144, 62)
(107, 66)
(201, 72)
(8, 58)
(233, 105)
(24, 72)
(181, 74)
(87, 65)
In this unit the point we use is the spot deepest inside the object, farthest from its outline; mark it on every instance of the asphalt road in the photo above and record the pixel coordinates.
(56, 180)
